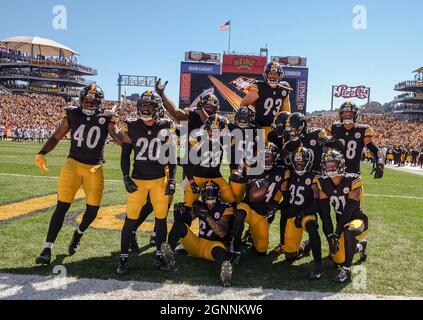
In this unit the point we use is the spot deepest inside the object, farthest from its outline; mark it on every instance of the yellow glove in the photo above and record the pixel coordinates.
(40, 160)
(95, 168)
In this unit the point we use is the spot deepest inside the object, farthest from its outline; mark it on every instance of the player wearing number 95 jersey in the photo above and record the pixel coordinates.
(355, 137)
(269, 97)
(89, 126)
(152, 140)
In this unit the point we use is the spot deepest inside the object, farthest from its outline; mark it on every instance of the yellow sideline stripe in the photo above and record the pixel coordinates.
(24, 207)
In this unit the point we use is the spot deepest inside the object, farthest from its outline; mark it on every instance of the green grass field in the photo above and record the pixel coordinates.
(395, 254)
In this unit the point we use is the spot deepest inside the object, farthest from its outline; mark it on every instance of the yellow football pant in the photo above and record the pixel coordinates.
(294, 235)
(339, 257)
(75, 174)
(156, 189)
(198, 247)
(259, 228)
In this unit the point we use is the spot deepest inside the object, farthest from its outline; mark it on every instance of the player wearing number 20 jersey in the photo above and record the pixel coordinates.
(89, 126)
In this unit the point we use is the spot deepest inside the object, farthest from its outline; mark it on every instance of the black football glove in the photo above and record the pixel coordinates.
(333, 240)
(160, 88)
(272, 209)
(170, 188)
(236, 176)
(182, 213)
(378, 171)
(200, 209)
(195, 188)
(299, 220)
(130, 185)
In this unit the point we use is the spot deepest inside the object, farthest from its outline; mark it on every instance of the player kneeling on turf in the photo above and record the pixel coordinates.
(215, 222)
(259, 203)
(301, 211)
(344, 191)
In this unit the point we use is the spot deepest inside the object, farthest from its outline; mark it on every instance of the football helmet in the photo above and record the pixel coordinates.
(149, 106)
(214, 125)
(296, 125)
(244, 117)
(276, 76)
(348, 113)
(270, 156)
(210, 192)
(333, 164)
(302, 160)
(209, 103)
(90, 99)
(279, 122)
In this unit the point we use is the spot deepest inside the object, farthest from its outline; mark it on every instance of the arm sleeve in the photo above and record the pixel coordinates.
(350, 206)
(125, 159)
(373, 149)
(324, 210)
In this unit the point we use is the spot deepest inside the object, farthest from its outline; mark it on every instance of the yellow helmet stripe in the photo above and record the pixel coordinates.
(92, 89)
(299, 152)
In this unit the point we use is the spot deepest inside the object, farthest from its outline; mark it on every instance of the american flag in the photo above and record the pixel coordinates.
(225, 26)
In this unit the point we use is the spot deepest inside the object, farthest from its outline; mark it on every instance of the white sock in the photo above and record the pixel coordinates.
(359, 247)
(79, 231)
(48, 245)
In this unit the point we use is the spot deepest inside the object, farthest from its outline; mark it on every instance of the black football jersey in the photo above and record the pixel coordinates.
(314, 139)
(269, 103)
(194, 120)
(205, 155)
(338, 194)
(244, 144)
(301, 192)
(147, 143)
(353, 141)
(88, 134)
(275, 178)
(220, 209)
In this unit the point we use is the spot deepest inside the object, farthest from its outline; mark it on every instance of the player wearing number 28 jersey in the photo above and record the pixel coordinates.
(89, 126)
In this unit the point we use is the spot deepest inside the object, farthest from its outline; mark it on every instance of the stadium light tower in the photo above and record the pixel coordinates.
(125, 80)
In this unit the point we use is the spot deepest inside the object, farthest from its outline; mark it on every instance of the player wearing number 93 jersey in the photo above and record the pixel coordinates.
(269, 97)
(89, 126)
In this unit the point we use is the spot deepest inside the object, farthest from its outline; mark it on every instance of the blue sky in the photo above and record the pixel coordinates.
(150, 38)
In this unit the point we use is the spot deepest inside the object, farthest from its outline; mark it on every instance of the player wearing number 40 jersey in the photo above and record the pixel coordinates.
(89, 126)
(269, 97)
(355, 137)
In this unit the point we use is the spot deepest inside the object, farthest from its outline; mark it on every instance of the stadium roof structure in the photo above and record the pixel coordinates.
(419, 70)
(38, 46)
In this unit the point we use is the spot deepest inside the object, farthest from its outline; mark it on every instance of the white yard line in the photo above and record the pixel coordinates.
(33, 287)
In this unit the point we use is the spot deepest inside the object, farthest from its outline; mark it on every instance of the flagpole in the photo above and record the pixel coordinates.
(229, 44)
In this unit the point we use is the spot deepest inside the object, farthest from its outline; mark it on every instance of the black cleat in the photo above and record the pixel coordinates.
(73, 246)
(123, 268)
(160, 263)
(234, 257)
(363, 252)
(44, 257)
(180, 250)
(134, 244)
(226, 273)
(343, 276)
(168, 255)
(316, 273)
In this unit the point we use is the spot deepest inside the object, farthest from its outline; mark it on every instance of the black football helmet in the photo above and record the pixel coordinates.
(333, 164)
(279, 122)
(209, 103)
(90, 99)
(210, 192)
(214, 125)
(302, 160)
(348, 113)
(149, 106)
(273, 67)
(244, 117)
(270, 156)
(296, 125)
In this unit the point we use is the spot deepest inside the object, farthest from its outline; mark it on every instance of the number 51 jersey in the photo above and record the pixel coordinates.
(88, 134)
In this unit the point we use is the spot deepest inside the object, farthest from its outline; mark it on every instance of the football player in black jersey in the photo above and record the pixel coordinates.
(355, 137)
(89, 126)
(345, 192)
(269, 97)
(211, 243)
(205, 158)
(259, 203)
(244, 141)
(152, 141)
(301, 211)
